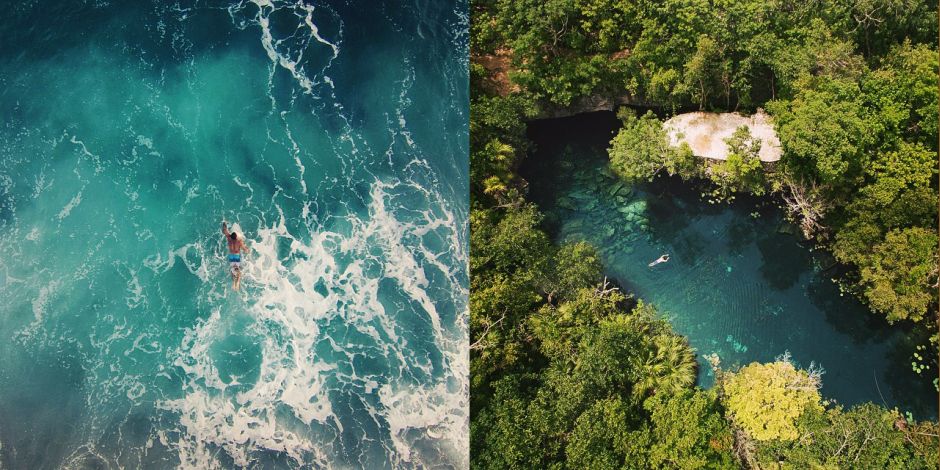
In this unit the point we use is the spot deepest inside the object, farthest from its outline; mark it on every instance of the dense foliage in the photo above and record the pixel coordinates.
(641, 150)
(865, 436)
(570, 372)
(699, 52)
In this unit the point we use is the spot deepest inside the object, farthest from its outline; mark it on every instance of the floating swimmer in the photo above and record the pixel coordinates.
(236, 248)
(661, 259)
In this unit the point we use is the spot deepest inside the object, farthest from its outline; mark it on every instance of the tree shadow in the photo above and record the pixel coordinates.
(672, 207)
(911, 392)
(846, 314)
(783, 260)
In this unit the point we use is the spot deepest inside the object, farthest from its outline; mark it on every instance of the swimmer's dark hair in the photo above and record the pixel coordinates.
(233, 236)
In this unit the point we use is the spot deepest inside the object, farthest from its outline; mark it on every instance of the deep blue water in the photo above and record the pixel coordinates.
(334, 134)
(739, 283)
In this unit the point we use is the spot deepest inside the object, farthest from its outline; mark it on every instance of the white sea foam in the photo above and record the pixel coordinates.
(290, 56)
(75, 201)
(291, 321)
(135, 292)
(87, 153)
(194, 264)
(314, 31)
(39, 303)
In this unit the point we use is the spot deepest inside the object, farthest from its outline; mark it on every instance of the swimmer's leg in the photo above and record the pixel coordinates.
(234, 272)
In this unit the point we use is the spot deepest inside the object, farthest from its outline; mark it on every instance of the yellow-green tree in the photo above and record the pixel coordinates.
(765, 400)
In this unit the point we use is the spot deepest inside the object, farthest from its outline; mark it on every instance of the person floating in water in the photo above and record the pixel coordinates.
(661, 259)
(236, 248)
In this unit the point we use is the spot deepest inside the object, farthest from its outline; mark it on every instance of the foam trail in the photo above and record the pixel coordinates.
(288, 318)
(284, 59)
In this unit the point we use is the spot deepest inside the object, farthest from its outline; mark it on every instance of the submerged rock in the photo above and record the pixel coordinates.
(637, 207)
(567, 203)
(615, 188)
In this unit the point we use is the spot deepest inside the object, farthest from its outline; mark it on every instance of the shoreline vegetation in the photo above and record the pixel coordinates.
(569, 371)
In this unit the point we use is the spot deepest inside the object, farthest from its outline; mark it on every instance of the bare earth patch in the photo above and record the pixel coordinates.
(706, 133)
(497, 67)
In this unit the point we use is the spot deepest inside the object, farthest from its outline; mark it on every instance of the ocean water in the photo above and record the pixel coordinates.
(334, 134)
(739, 282)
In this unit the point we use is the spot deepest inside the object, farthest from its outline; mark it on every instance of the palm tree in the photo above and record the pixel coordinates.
(669, 367)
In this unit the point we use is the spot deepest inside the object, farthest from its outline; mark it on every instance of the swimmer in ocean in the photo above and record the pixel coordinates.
(236, 248)
(661, 259)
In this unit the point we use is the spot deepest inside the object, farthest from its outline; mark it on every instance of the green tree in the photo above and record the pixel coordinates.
(576, 266)
(561, 328)
(706, 70)
(741, 171)
(900, 193)
(899, 275)
(667, 363)
(510, 256)
(497, 138)
(494, 164)
(862, 437)
(688, 431)
(502, 435)
(825, 135)
(601, 439)
(610, 356)
(903, 90)
(641, 150)
(909, 167)
(668, 366)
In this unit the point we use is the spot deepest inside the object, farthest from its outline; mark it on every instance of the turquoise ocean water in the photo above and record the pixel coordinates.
(739, 282)
(334, 134)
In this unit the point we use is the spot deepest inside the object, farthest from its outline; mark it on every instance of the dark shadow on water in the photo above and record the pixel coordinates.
(688, 246)
(783, 260)
(846, 314)
(670, 216)
(741, 233)
(901, 380)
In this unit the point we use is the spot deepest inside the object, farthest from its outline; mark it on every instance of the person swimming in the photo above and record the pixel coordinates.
(236, 248)
(661, 259)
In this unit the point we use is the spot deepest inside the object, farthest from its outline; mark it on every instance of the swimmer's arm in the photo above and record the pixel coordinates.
(245, 248)
(224, 228)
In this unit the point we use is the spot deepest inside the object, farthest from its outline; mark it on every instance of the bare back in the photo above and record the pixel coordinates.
(236, 246)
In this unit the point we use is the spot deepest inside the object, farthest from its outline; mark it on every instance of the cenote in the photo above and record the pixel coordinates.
(740, 283)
